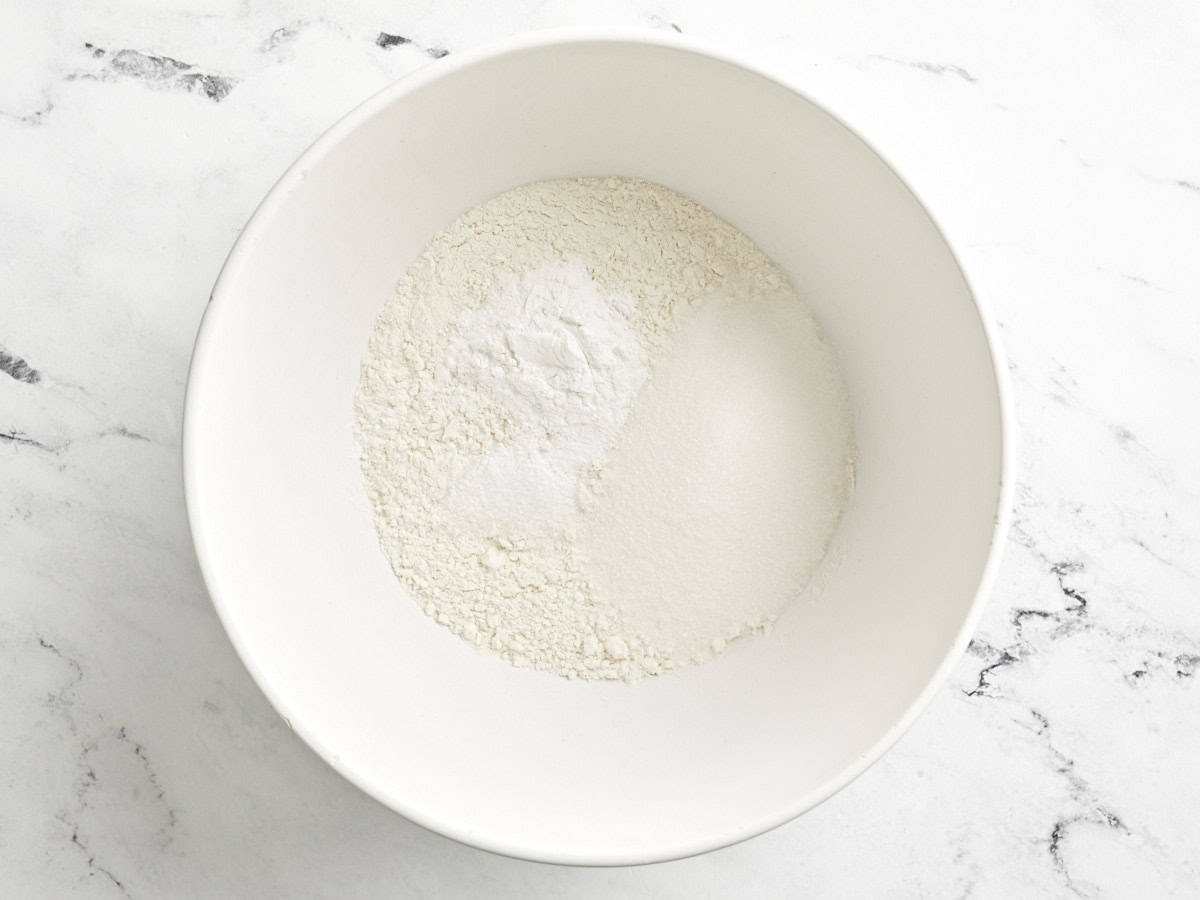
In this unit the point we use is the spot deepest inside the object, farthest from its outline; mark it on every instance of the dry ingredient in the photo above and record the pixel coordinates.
(600, 433)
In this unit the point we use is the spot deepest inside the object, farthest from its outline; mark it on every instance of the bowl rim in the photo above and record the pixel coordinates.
(260, 221)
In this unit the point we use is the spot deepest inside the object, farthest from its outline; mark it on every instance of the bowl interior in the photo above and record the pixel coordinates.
(523, 762)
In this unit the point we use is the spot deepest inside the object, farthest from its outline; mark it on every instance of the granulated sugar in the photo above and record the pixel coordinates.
(601, 435)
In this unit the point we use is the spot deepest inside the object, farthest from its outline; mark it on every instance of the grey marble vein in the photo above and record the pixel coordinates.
(16, 368)
(158, 71)
(387, 41)
(933, 68)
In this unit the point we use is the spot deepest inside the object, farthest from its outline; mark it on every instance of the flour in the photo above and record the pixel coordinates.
(601, 435)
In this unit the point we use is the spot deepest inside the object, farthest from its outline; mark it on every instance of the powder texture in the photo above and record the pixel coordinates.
(600, 433)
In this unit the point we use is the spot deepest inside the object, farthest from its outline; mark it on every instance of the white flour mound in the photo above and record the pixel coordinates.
(601, 435)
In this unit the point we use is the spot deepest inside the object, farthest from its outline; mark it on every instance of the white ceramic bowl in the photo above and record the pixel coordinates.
(521, 762)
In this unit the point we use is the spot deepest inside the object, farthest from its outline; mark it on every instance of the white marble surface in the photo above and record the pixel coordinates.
(1060, 145)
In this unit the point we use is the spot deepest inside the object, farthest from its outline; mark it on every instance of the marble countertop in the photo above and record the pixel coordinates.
(1056, 142)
